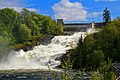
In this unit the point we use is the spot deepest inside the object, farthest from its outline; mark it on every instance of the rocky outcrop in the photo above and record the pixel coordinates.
(46, 39)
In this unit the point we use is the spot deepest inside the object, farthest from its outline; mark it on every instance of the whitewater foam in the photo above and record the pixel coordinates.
(42, 56)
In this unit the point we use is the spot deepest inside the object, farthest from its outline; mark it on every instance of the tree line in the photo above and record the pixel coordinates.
(92, 52)
(25, 27)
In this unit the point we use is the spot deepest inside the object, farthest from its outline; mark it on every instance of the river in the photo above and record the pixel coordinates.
(42, 57)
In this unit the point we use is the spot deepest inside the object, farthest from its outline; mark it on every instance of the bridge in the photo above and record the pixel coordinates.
(72, 27)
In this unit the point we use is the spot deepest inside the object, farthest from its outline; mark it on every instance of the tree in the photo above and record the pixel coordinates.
(11, 25)
(24, 33)
(78, 55)
(106, 16)
(24, 12)
(9, 22)
(95, 59)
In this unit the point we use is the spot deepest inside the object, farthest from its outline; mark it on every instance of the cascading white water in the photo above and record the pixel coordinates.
(42, 56)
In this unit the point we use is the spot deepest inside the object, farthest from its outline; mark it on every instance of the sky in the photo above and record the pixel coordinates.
(68, 10)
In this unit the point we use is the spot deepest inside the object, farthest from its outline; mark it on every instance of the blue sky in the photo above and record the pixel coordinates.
(69, 10)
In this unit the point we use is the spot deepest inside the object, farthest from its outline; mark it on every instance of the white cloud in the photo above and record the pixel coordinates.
(14, 4)
(94, 14)
(106, 0)
(67, 10)
(32, 9)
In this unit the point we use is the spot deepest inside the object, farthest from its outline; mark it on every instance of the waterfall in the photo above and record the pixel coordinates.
(42, 56)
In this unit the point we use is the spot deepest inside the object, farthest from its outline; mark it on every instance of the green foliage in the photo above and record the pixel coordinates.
(104, 72)
(85, 55)
(66, 76)
(95, 59)
(27, 43)
(19, 46)
(89, 43)
(95, 49)
(21, 27)
(4, 42)
(9, 21)
(24, 33)
(67, 64)
(4, 46)
(106, 16)
(62, 76)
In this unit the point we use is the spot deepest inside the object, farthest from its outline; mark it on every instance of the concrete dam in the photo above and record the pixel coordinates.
(72, 27)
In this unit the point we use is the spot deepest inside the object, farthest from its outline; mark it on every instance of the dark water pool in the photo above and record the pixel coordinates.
(25, 75)
(36, 75)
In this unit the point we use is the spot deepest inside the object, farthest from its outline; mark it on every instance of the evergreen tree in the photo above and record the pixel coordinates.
(106, 16)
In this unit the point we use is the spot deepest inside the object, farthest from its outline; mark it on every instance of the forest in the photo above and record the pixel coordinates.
(97, 51)
(25, 28)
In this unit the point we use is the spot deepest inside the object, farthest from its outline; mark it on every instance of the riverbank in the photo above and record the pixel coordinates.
(44, 39)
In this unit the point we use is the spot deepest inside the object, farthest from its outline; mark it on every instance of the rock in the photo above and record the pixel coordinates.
(27, 48)
(46, 39)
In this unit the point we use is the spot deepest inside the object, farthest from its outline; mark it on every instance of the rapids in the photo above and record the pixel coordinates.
(42, 56)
